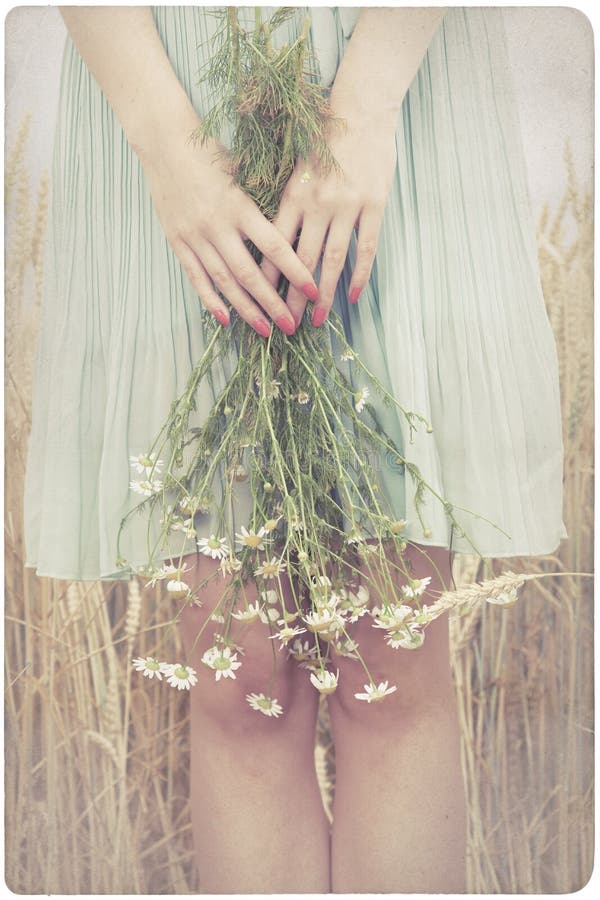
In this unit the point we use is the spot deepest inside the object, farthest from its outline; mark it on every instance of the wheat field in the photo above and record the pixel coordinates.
(96, 780)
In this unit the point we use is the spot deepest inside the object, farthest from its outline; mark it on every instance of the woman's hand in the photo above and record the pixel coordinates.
(382, 58)
(327, 207)
(206, 219)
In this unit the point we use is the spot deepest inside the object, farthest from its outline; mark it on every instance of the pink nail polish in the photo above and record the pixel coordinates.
(286, 324)
(222, 317)
(310, 290)
(354, 295)
(319, 316)
(262, 326)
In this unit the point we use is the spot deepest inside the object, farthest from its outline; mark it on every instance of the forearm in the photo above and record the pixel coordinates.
(382, 58)
(123, 50)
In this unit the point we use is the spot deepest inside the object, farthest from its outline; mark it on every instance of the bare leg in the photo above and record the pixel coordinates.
(258, 821)
(400, 811)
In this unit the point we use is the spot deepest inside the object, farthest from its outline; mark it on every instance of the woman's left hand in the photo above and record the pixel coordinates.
(327, 207)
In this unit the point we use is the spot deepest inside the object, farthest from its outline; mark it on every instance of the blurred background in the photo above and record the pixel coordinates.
(96, 781)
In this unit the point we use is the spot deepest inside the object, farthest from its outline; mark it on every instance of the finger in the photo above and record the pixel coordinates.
(366, 248)
(310, 247)
(221, 275)
(248, 274)
(334, 257)
(276, 248)
(287, 222)
(201, 283)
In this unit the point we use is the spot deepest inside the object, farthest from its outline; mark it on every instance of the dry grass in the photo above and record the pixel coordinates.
(96, 760)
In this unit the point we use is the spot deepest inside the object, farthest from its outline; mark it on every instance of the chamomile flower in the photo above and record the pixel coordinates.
(347, 647)
(325, 682)
(392, 618)
(347, 356)
(149, 667)
(181, 677)
(302, 651)
(271, 524)
(271, 569)
(415, 587)
(324, 620)
(252, 539)
(268, 706)
(360, 399)
(230, 565)
(146, 463)
(166, 571)
(302, 397)
(269, 597)
(222, 660)
(177, 588)
(373, 693)
(397, 526)
(409, 638)
(147, 487)
(250, 614)
(270, 614)
(214, 547)
(287, 633)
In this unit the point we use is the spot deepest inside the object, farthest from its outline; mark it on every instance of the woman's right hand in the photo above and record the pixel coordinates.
(206, 218)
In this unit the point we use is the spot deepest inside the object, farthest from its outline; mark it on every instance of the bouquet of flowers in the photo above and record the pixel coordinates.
(295, 424)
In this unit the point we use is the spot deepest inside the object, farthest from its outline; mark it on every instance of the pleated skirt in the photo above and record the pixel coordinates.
(453, 320)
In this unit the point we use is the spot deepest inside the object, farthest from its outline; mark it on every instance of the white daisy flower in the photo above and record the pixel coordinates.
(269, 596)
(302, 397)
(147, 488)
(347, 647)
(181, 677)
(146, 463)
(286, 634)
(373, 693)
(397, 526)
(506, 598)
(266, 705)
(252, 539)
(325, 682)
(360, 399)
(392, 619)
(409, 638)
(305, 177)
(250, 614)
(178, 589)
(270, 614)
(150, 667)
(239, 472)
(271, 524)
(222, 661)
(166, 571)
(324, 620)
(271, 569)
(302, 651)
(347, 356)
(214, 547)
(230, 565)
(415, 587)
(271, 388)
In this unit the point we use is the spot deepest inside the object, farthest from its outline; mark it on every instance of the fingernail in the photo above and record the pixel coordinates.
(221, 316)
(354, 295)
(310, 290)
(319, 316)
(262, 326)
(286, 324)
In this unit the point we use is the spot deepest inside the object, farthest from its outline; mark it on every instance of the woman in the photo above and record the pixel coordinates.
(427, 236)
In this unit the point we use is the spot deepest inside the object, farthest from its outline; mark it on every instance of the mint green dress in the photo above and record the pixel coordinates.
(453, 320)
